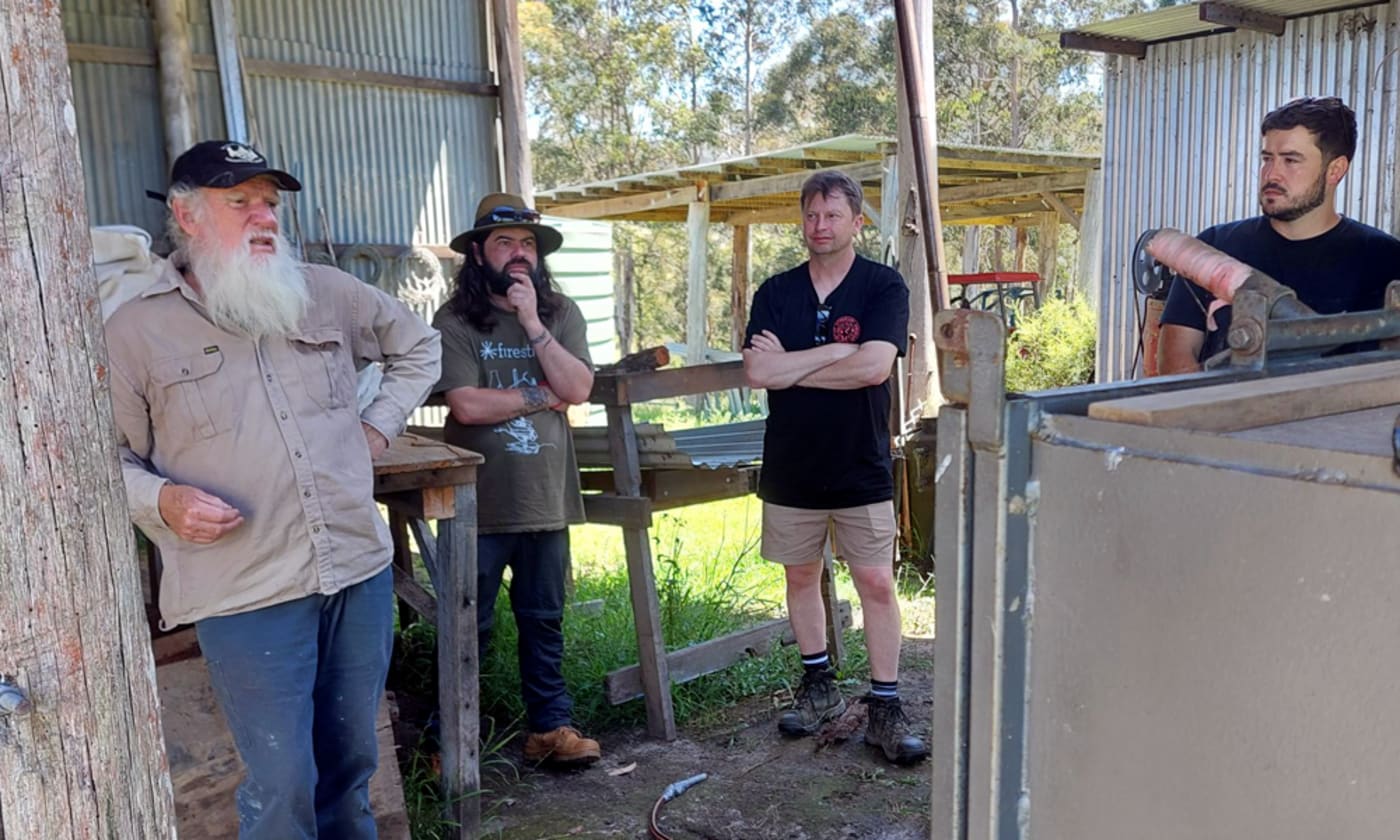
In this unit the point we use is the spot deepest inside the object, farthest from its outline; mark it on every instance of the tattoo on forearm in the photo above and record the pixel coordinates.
(535, 399)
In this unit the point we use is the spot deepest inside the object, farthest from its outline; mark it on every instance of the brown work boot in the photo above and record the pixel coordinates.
(562, 747)
(816, 701)
(888, 730)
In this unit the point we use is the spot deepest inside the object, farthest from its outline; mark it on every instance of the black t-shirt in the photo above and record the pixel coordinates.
(827, 448)
(1345, 269)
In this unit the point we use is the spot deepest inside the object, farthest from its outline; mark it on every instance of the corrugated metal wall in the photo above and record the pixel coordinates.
(389, 165)
(1181, 144)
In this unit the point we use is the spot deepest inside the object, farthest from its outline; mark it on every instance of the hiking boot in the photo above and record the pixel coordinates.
(817, 701)
(562, 747)
(888, 729)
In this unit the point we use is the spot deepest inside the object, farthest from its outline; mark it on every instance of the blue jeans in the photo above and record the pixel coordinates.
(300, 684)
(537, 560)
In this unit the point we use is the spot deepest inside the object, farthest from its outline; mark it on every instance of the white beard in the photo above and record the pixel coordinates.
(255, 295)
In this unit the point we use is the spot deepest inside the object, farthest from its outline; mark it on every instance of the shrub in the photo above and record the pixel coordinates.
(1052, 347)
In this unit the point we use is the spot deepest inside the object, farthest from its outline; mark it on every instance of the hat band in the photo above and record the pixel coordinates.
(506, 213)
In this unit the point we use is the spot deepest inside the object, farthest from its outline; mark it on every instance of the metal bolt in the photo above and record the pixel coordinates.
(13, 700)
(1246, 336)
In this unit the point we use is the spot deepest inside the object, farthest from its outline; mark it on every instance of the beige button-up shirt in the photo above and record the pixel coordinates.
(272, 428)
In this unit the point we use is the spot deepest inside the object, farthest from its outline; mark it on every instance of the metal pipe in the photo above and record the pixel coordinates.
(1343, 328)
(926, 184)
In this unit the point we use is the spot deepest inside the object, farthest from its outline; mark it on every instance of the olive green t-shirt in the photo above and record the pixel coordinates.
(529, 481)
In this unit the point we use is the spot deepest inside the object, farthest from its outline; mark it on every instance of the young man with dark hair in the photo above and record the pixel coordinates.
(1335, 264)
(514, 358)
(822, 338)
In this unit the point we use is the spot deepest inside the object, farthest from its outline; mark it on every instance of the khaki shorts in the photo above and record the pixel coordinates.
(794, 536)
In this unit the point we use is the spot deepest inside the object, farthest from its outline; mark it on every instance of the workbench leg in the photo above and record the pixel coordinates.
(835, 639)
(641, 579)
(403, 560)
(458, 667)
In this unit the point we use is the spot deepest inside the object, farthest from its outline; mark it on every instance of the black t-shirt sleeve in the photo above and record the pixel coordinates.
(761, 314)
(887, 313)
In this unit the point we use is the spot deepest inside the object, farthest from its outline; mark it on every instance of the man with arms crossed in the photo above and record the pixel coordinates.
(822, 339)
(1335, 264)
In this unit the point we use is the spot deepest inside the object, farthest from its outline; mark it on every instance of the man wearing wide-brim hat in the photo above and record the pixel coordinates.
(515, 357)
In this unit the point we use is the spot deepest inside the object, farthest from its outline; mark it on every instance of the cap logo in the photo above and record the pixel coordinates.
(239, 153)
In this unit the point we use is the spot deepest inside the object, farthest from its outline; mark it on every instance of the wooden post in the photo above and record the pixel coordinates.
(972, 241)
(510, 81)
(1046, 248)
(927, 283)
(739, 288)
(641, 578)
(458, 692)
(696, 299)
(1090, 266)
(625, 315)
(172, 26)
(87, 758)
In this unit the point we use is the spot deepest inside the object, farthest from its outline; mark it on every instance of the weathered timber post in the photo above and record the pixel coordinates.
(87, 759)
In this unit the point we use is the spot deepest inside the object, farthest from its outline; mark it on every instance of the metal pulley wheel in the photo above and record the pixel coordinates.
(1150, 277)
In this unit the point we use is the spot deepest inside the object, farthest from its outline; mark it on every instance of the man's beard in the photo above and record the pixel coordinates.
(1303, 205)
(499, 282)
(251, 294)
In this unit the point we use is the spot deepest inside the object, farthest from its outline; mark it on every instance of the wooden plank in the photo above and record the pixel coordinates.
(1058, 205)
(102, 54)
(697, 297)
(625, 389)
(398, 482)
(641, 580)
(677, 488)
(438, 502)
(1098, 43)
(647, 460)
(176, 646)
(708, 657)
(1237, 17)
(402, 562)
(608, 208)
(1012, 188)
(413, 453)
(230, 67)
(1261, 402)
(788, 183)
(411, 592)
(612, 509)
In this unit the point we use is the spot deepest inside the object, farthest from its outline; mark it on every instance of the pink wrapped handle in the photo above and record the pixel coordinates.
(1217, 273)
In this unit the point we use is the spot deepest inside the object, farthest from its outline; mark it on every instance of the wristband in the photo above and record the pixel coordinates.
(540, 340)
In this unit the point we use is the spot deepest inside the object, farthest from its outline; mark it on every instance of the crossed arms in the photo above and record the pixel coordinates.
(836, 366)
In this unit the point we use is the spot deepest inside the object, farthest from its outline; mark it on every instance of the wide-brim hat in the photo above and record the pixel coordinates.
(506, 210)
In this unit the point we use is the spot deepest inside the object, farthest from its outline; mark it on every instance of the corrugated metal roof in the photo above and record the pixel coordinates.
(722, 447)
(1184, 21)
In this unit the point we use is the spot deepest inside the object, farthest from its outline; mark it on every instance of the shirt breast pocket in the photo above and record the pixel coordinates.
(325, 369)
(193, 395)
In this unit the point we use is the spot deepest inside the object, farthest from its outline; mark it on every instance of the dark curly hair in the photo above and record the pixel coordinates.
(1328, 118)
(471, 297)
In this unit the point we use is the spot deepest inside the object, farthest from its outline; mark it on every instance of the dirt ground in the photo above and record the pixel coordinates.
(761, 786)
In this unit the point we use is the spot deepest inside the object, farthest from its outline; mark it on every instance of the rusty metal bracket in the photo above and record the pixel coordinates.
(972, 370)
(1249, 330)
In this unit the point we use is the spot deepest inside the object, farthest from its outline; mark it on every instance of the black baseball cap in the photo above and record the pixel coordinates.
(224, 163)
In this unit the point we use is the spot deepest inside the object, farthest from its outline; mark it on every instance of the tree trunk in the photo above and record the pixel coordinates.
(87, 761)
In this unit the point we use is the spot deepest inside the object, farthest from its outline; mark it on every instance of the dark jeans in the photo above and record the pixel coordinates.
(537, 561)
(300, 684)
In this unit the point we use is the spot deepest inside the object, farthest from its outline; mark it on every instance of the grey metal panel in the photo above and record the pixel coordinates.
(1204, 667)
(952, 556)
(1181, 137)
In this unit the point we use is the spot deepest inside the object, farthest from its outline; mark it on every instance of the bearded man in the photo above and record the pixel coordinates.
(247, 462)
(514, 358)
(1335, 264)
